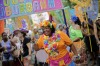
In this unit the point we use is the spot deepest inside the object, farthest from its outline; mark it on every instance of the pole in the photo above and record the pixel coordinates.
(65, 21)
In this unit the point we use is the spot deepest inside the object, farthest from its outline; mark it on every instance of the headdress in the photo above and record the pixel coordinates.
(46, 23)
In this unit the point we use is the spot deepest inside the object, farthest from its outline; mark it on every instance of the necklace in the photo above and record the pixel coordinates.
(51, 44)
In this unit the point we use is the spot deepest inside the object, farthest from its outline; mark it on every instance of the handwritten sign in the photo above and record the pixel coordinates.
(13, 8)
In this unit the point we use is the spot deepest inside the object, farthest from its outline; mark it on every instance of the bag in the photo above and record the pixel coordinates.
(7, 55)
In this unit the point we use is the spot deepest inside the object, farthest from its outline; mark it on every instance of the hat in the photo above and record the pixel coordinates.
(24, 30)
(16, 32)
(74, 18)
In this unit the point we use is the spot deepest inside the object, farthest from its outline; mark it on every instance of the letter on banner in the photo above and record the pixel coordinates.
(21, 8)
(2, 11)
(8, 11)
(36, 5)
(51, 3)
(29, 7)
(14, 1)
(6, 2)
(15, 9)
(20, 1)
(43, 4)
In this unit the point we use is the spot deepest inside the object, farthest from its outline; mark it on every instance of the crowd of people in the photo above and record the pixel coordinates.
(49, 45)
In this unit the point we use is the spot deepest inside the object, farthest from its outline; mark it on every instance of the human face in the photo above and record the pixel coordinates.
(61, 27)
(35, 31)
(4, 36)
(19, 34)
(47, 31)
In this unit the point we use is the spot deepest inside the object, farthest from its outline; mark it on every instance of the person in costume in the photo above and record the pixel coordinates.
(76, 36)
(25, 47)
(54, 43)
(90, 40)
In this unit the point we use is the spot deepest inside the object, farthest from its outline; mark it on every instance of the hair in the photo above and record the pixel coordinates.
(22, 32)
(52, 29)
(2, 34)
(78, 22)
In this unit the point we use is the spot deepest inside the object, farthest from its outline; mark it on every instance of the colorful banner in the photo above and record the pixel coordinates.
(68, 15)
(45, 5)
(23, 22)
(7, 30)
(93, 10)
(13, 8)
(11, 27)
(72, 12)
(1, 26)
(79, 13)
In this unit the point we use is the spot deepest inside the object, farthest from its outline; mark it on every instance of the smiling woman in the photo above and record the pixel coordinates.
(54, 43)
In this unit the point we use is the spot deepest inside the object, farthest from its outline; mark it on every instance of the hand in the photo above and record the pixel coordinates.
(98, 42)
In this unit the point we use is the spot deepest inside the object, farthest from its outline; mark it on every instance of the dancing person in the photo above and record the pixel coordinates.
(7, 49)
(54, 43)
(90, 40)
(26, 47)
(17, 51)
(76, 36)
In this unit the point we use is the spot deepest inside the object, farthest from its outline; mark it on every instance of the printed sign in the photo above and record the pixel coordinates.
(13, 8)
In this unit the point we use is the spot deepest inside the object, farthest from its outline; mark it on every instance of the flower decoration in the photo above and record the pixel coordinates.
(45, 23)
(48, 23)
(51, 44)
